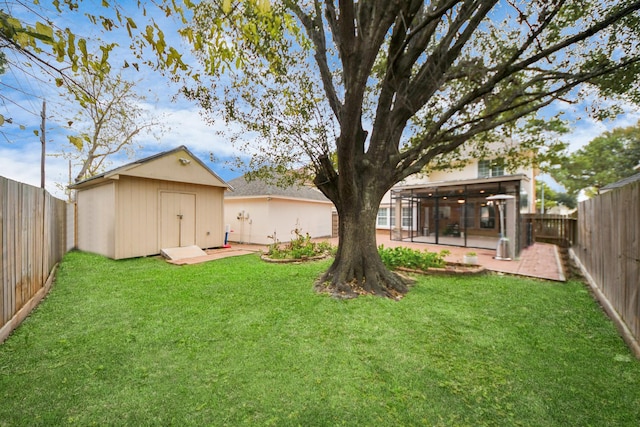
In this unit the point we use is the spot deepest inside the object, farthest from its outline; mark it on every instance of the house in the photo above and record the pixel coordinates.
(168, 200)
(621, 183)
(260, 212)
(451, 207)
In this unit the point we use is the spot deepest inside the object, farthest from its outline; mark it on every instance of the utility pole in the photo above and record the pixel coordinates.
(68, 190)
(43, 142)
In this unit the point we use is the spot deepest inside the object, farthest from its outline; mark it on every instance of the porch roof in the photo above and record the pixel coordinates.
(456, 184)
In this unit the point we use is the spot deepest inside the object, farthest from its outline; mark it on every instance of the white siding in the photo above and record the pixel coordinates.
(253, 219)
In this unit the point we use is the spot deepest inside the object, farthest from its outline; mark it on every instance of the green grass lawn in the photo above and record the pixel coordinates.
(243, 342)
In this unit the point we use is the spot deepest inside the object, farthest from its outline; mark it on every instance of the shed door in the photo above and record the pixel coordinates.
(177, 219)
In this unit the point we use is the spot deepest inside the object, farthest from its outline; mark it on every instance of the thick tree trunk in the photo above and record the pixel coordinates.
(357, 268)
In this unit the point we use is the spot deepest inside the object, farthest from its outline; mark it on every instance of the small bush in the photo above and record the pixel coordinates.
(300, 247)
(411, 258)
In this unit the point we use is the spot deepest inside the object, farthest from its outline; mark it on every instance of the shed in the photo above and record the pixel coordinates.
(171, 199)
(258, 211)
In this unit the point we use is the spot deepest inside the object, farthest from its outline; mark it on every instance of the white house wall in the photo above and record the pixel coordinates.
(253, 219)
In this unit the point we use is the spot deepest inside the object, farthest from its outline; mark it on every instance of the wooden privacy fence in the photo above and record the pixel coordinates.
(33, 235)
(558, 229)
(608, 249)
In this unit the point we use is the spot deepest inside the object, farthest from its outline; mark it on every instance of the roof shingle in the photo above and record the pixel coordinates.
(257, 187)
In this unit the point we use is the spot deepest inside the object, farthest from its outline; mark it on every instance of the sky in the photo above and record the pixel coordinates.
(22, 96)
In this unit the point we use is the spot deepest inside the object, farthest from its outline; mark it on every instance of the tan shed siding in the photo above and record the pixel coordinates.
(96, 220)
(138, 225)
(210, 218)
(137, 219)
(170, 168)
(71, 227)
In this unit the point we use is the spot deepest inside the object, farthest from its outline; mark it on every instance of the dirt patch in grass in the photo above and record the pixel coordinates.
(450, 268)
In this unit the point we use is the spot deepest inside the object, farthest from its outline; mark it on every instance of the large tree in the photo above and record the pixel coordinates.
(405, 85)
(110, 117)
(606, 159)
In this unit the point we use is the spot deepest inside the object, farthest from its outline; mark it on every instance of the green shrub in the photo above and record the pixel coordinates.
(411, 258)
(299, 247)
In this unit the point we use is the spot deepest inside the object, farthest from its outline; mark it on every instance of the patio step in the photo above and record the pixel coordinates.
(182, 252)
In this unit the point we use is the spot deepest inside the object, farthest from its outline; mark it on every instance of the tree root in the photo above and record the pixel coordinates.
(392, 285)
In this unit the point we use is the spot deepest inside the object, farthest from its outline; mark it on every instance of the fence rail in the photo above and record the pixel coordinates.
(608, 247)
(33, 235)
(558, 229)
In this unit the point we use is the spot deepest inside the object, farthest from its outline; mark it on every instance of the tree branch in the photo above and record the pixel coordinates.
(492, 120)
(315, 29)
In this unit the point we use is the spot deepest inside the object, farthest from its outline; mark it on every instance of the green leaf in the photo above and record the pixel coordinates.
(45, 31)
(130, 25)
(226, 6)
(82, 45)
(1, 119)
(76, 141)
(71, 48)
(264, 6)
(36, 132)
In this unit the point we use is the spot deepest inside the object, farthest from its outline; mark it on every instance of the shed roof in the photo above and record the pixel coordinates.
(621, 183)
(173, 165)
(260, 188)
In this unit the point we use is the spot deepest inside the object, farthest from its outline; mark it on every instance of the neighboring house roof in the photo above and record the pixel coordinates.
(261, 188)
(146, 168)
(621, 183)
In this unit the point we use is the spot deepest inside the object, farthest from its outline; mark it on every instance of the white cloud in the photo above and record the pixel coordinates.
(22, 164)
(584, 128)
(187, 127)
